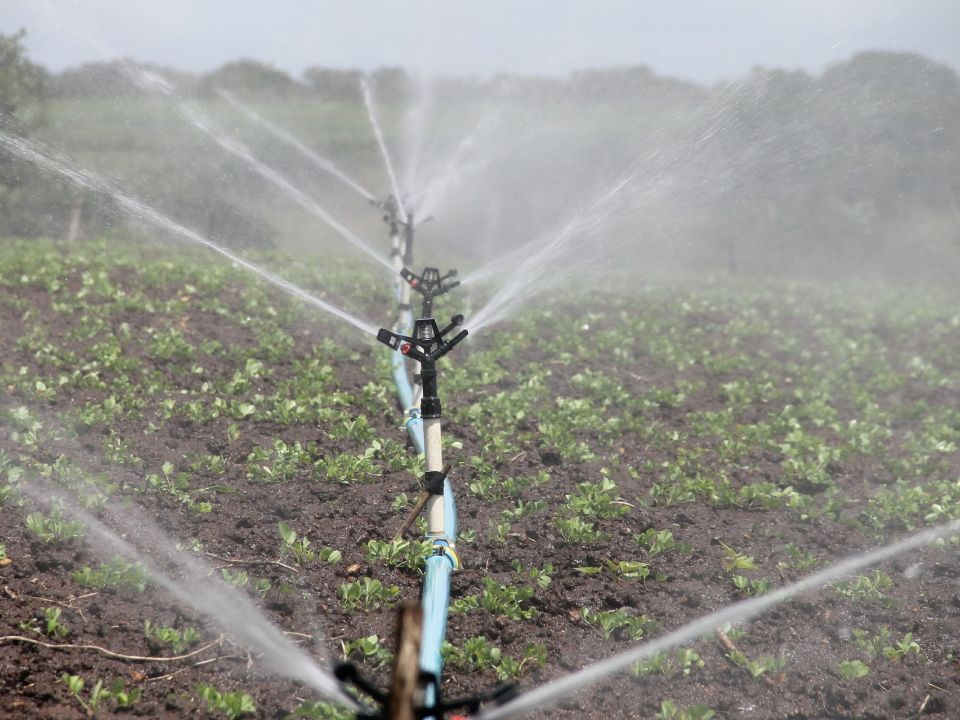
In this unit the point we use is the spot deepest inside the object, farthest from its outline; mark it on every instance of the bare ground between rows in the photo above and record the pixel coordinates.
(243, 526)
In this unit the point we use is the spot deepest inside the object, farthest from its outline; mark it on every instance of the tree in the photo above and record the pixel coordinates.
(21, 83)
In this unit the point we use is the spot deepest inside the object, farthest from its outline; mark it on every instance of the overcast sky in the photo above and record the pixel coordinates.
(703, 40)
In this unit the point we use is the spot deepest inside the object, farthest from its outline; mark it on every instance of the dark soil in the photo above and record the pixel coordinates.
(812, 634)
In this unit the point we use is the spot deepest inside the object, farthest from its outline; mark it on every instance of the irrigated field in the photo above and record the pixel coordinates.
(623, 464)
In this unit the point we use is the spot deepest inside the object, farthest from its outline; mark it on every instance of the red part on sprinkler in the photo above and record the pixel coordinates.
(405, 348)
(413, 282)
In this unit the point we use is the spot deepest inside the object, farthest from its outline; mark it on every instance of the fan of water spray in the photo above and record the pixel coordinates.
(200, 120)
(141, 211)
(321, 162)
(368, 101)
(200, 588)
(550, 693)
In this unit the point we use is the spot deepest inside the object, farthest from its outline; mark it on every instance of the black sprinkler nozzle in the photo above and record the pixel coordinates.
(426, 346)
(430, 285)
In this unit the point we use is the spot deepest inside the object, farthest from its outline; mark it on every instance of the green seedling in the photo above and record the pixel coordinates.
(660, 541)
(762, 665)
(749, 586)
(52, 529)
(542, 576)
(478, 654)
(178, 640)
(853, 669)
(115, 573)
(883, 645)
(406, 554)
(320, 710)
(619, 622)
(366, 594)
(499, 531)
(369, 649)
(238, 579)
(53, 627)
(683, 661)
(734, 560)
(670, 711)
(867, 588)
(100, 693)
(506, 600)
(232, 704)
(575, 530)
(598, 500)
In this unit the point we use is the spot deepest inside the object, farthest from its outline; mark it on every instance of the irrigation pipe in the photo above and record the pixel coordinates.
(423, 412)
(549, 693)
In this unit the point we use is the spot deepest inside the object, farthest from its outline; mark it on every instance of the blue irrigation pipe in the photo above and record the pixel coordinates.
(435, 599)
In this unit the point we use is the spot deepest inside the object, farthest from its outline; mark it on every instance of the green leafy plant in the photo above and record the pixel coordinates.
(366, 594)
(369, 649)
(853, 669)
(115, 573)
(611, 622)
(669, 710)
(867, 588)
(478, 654)
(399, 553)
(760, 666)
(178, 640)
(100, 693)
(232, 704)
(52, 529)
(682, 660)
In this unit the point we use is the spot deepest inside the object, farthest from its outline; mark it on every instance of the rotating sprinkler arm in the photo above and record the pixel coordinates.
(430, 285)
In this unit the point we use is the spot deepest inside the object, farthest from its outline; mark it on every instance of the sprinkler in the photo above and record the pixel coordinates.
(430, 285)
(427, 344)
(410, 685)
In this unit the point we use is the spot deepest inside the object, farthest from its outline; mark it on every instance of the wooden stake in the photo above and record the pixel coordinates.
(406, 667)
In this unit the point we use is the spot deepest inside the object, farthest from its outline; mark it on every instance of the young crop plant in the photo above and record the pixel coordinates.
(478, 654)
(366, 594)
(575, 530)
(853, 669)
(100, 693)
(347, 468)
(541, 576)
(867, 589)
(369, 649)
(177, 485)
(597, 500)
(232, 704)
(883, 644)
(660, 541)
(522, 510)
(179, 640)
(278, 464)
(51, 625)
(762, 665)
(399, 553)
(619, 622)
(669, 710)
(499, 599)
(115, 573)
(734, 560)
(52, 529)
(299, 547)
(682, 660)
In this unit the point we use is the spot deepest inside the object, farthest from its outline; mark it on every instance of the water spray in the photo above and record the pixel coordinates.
(318, 160)
(139, 210)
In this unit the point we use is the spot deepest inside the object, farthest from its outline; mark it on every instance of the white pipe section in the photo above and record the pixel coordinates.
(436, 524)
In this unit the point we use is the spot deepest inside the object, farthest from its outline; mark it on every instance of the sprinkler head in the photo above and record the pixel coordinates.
(430, 284)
